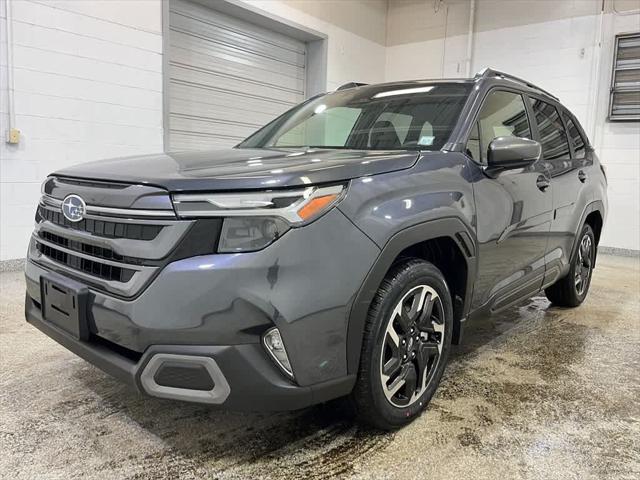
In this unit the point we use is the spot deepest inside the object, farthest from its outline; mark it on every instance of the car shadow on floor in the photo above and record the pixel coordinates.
(317, 441)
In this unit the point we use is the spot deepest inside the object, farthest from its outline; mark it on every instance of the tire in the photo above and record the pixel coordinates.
(419, 361)
(572, 289)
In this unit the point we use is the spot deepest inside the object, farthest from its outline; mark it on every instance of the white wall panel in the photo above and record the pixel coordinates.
(554, 46)
(88, 85)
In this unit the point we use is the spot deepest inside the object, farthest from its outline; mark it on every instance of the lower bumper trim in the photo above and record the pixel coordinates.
(216, 395)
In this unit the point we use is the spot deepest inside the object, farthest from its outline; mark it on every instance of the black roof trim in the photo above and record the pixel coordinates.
(351, 85)
(491, 73)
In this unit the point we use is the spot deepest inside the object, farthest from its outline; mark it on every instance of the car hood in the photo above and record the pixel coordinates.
(240, 168)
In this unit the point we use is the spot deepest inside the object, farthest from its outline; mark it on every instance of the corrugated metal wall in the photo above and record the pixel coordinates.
(228, 77)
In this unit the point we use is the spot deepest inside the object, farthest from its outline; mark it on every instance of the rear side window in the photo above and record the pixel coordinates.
(553, 138)
(503, 114)
(579, 145)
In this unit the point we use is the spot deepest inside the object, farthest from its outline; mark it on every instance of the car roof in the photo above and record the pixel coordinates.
(485, 75)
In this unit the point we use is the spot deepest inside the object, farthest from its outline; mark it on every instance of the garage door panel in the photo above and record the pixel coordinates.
(245, 87)
(292, 79)
(241, 43)
(228, 129)
(204, 14)
(194, 141)
(208, 111)
(227, 77)
(212, 97)
(238, 59)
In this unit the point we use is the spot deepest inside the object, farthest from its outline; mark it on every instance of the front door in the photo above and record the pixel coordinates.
(513, 208)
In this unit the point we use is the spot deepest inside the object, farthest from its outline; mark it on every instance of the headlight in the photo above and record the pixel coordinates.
(248, 234)
(253, 220)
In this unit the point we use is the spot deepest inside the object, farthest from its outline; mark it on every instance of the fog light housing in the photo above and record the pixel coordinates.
(273, 343)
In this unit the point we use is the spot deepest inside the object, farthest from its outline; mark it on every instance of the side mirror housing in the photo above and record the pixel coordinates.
(513, 152)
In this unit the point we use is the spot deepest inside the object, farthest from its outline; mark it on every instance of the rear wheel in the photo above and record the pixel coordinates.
(406, 345)
(571, 290)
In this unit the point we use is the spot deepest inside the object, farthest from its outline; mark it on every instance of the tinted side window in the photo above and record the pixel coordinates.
(503, 114)
(578, 142)
(553, 138)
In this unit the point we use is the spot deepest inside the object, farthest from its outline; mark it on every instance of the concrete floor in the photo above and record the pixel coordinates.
(536, 392)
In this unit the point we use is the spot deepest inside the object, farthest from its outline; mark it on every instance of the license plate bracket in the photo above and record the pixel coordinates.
(64, 304)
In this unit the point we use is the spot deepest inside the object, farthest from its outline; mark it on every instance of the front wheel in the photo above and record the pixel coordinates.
(406, 344)
(571, 290)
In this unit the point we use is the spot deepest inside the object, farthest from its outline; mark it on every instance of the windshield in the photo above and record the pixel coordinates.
(415, 116)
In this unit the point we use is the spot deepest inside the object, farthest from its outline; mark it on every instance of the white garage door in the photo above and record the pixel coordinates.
(227, 77)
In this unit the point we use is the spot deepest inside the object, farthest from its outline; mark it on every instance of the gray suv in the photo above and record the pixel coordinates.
(337, 252)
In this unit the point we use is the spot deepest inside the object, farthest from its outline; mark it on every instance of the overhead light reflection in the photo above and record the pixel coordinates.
(404, 91)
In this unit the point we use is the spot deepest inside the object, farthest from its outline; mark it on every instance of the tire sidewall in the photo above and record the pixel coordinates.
(417, 273)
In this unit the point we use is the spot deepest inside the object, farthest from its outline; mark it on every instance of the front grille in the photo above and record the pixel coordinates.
(92, 267)
(88, 249)
(103, 228)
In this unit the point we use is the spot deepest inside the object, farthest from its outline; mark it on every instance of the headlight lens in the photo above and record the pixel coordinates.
(248, 234)
(254, 220)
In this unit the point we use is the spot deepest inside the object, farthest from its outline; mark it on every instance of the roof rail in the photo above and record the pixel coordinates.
(489, 72)
(351, 85)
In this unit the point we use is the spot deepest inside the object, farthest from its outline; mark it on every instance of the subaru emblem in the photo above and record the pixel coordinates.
(73, 208)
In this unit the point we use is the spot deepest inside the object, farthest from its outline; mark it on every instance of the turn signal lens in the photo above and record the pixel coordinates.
(316, 206)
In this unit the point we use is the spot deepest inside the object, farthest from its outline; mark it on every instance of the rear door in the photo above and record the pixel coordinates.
(569, 174)
(513, 207)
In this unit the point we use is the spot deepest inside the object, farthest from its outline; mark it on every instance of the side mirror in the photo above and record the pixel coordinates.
(513, 152)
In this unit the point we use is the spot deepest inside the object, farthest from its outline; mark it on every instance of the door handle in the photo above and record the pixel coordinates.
(582, 176)
(542, 183)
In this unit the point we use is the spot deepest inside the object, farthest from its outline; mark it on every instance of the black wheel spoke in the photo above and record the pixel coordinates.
(404, 320)
(391, 366)
(426, 352)
(424, 322)
(411, 380)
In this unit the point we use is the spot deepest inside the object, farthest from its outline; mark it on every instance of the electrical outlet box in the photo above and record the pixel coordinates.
(13, 136)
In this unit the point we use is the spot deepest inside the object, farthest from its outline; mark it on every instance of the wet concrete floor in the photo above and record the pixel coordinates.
(535, 392)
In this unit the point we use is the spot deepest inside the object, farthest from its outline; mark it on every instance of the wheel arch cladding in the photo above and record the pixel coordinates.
(594, 219)
(593, 215)
(447, 243)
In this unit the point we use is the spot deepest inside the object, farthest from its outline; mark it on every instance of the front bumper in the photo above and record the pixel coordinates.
(218, 306)
(252, 383)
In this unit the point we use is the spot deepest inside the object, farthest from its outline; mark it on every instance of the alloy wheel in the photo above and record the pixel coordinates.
(412, 345)
(583, 264)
